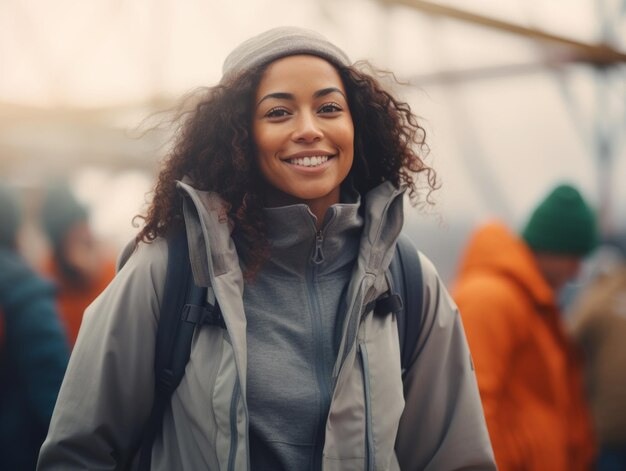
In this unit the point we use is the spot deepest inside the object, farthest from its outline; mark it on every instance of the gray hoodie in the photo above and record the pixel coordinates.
(432, 421)
(294, 310)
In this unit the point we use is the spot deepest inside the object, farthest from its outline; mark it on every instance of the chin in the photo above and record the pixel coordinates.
(307, 192)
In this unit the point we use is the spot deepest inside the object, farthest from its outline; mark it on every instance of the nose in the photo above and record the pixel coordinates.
(306, 129)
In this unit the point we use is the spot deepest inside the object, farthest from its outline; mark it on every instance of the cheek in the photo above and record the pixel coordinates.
(267, 141)
(349, 141)
(347, 133)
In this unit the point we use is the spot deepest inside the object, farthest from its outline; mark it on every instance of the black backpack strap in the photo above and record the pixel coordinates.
(406, 275)
(182, 309)
(405, 298)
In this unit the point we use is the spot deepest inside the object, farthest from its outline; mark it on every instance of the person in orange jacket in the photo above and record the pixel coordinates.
(77, 264)
(528, 369)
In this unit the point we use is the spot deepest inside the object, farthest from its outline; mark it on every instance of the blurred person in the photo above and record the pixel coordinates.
(77, 264)
(598, 323)
(289, 179)
(604, 259)
(33, 349)
(528, 369)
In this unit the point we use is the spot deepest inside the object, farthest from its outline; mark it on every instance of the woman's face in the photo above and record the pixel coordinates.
(303, 131)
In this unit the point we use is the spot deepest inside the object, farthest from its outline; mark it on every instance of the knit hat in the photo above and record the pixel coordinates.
(10, 216)
(60, 211)
(563, 223)
(280, 42)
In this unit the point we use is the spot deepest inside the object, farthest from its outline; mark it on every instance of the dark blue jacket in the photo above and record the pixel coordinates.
(33, 357)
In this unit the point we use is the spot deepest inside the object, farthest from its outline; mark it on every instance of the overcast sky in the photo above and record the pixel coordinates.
(498, 143)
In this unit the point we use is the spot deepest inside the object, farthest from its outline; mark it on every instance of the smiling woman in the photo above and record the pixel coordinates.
(287, 181)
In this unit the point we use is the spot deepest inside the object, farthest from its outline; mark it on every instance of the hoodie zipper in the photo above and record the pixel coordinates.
(318, 255)
(323, 383)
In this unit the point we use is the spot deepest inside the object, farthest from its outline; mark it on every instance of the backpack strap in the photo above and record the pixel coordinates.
(408, 278)
(405, 298)
(183, 308)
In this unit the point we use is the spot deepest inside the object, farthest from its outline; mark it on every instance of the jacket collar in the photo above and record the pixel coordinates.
(209, 229)
(215, 263)
(296, 244)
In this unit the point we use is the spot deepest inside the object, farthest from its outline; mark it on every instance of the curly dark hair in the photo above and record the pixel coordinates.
(214, 147)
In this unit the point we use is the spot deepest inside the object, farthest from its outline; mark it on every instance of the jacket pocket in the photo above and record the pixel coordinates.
(367, 405)
(226, 407)
(234, 434)
(369, 438)
(379, 355)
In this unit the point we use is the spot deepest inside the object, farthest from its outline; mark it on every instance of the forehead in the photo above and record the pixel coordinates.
(299, 72)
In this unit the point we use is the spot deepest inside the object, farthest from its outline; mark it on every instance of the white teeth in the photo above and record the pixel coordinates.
(313, 161)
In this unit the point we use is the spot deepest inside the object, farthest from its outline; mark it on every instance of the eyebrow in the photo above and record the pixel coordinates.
(290, 96)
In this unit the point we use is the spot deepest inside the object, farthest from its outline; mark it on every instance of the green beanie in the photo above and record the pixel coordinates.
(10, 216)
(563, 223)
(60, 211)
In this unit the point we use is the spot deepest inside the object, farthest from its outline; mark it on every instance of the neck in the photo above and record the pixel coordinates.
(291, 232)
(318, 206)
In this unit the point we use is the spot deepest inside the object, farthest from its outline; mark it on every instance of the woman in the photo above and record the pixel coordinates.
(291, 179)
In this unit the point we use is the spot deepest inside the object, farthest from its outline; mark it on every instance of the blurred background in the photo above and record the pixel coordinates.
(515, 95)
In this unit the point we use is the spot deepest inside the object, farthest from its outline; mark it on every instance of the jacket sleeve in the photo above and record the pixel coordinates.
(493, 316)
(442, 427)
(108, 389)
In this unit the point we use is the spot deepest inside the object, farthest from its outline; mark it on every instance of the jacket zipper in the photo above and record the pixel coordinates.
(355, 309)
(369, 438)
(237, 388)
(324, 387)
(234, 435)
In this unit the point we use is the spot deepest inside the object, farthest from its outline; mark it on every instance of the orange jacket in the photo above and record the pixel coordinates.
(72, 300)
(528, 371)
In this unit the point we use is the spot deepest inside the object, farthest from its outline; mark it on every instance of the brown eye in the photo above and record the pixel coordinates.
(277, 112)
(330, 108)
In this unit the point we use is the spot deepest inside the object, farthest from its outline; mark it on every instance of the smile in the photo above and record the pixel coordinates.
(312, 161)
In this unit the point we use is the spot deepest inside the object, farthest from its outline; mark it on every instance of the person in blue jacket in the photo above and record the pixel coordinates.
(33, 348)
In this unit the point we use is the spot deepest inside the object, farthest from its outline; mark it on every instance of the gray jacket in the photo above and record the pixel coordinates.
(434, 421)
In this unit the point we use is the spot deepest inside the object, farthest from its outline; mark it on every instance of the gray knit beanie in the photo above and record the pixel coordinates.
(60, 211)
(277, 43)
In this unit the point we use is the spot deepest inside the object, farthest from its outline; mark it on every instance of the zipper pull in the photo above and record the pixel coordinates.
(318, 255)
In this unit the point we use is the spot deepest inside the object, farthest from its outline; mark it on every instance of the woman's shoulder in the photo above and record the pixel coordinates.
(142, 265)
(137, 287)
(430, 275)
(150, 254)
